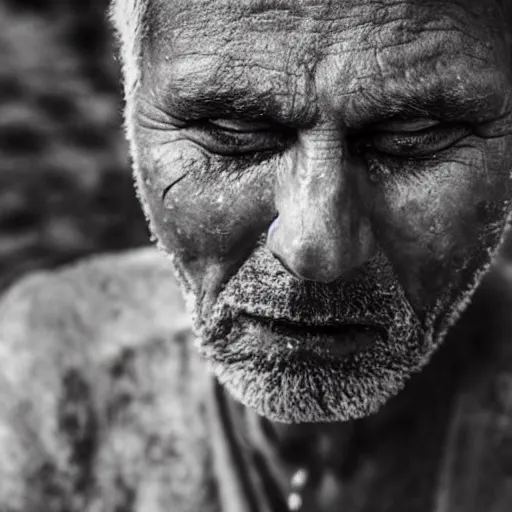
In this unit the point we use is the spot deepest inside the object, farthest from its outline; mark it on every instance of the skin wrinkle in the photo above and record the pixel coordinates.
(362, 62)
(199, 86)
(130, 18)
(397, 79)
(169, 187)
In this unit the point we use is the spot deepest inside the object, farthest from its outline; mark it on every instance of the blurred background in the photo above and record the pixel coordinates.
(65, 183)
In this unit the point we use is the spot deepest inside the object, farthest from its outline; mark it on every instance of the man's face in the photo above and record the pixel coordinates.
(331, 179)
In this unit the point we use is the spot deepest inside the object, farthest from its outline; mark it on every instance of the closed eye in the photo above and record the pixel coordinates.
(232, 137)
(239, 125)
(416, 139)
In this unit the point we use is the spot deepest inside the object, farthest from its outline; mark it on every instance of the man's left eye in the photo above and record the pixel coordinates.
(235, 137)
(416, 143)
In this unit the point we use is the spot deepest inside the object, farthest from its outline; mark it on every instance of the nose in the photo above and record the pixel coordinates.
(322, 231)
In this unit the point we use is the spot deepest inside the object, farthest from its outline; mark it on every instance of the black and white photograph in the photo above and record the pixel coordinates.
(255, 256)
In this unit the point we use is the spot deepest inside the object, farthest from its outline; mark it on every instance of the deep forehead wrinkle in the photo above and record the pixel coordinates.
(207, 86)
(388, 56)
(457, 93)
(319, 25)
(167, 14)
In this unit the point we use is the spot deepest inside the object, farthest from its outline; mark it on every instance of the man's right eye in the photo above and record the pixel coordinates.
(236, 137)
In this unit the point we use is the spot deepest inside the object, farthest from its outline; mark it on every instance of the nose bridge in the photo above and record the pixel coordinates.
(315, 180)
(321, 231)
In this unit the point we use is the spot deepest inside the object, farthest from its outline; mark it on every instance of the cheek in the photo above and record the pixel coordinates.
(207, 210)
(439, 226)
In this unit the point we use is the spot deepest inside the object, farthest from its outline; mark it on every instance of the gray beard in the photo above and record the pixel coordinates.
(308, 384)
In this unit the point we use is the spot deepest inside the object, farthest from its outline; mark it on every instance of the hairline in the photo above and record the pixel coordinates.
(129, 19)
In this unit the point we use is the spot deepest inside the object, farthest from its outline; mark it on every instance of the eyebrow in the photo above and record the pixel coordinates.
(475, 98)
(210, 103)
(200, 103)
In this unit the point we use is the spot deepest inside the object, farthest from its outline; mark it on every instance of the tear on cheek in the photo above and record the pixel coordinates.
(167, 166)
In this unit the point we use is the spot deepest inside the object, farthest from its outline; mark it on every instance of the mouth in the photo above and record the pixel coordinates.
(335, 340)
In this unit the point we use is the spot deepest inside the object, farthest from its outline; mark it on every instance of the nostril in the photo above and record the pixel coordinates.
(309, 265)
(285, 265)
(306, 270)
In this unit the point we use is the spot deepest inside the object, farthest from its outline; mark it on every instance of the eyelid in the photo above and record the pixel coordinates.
(419, 144)
(238, 125)
(411, 126)
(233, 137)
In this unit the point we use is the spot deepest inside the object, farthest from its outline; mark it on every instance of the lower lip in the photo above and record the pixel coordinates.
(326, 340)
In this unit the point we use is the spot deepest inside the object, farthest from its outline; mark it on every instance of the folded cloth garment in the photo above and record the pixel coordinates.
(105, 406)
(101, 405)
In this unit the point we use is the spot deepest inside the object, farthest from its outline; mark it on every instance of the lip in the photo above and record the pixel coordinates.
(338, 340)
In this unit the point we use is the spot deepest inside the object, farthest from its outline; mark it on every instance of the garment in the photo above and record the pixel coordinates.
(106, 407)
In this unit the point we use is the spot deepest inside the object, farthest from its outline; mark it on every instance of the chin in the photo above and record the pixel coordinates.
(295, 373)
(303, 352)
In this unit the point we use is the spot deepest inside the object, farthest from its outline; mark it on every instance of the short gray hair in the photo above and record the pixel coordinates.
(129, 19)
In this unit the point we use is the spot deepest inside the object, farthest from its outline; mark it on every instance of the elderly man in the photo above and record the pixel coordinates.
(331, 180)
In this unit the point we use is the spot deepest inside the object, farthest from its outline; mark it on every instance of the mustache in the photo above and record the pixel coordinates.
(371, 296)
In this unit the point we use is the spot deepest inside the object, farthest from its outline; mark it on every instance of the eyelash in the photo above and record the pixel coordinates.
(232, 142)
(419, 144)
(392, 144)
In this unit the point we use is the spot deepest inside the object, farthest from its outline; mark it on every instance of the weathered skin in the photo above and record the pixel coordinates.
(324, 163)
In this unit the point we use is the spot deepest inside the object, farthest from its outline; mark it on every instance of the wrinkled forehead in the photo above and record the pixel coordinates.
(290, 48)
(322, 24)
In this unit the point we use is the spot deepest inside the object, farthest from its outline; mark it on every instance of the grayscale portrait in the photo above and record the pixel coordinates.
(323, 320)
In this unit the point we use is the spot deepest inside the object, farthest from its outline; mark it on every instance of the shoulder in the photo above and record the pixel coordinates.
(101, 398)
(122, 288)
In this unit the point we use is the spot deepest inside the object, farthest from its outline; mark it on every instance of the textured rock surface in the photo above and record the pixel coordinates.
(101, 406)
